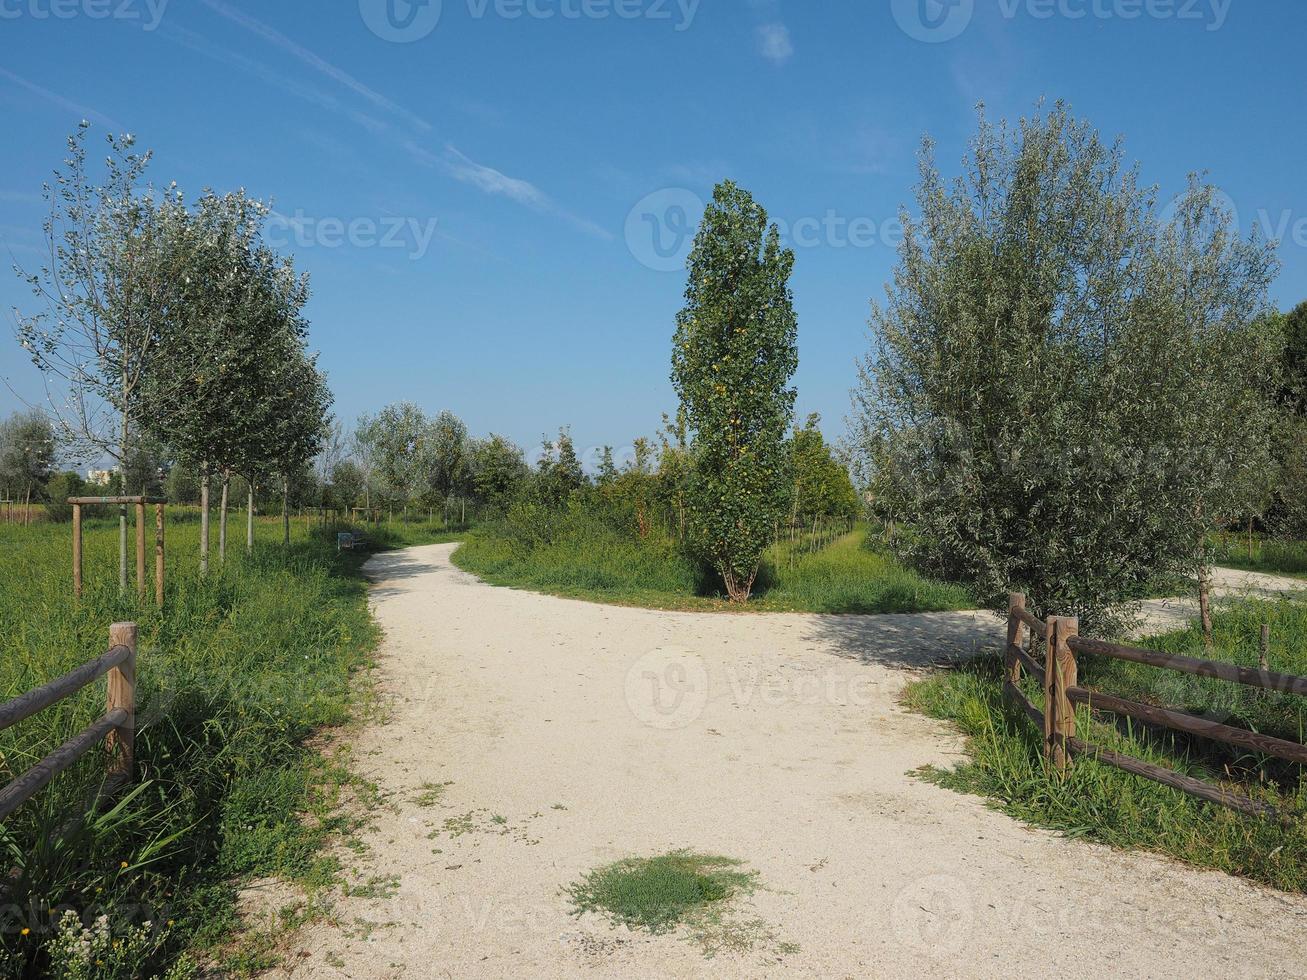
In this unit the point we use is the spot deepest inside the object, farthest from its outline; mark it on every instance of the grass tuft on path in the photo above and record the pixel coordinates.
(660, 893)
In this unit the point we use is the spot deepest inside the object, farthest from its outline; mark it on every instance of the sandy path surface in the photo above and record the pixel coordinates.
(564, 735)
(1227, 583)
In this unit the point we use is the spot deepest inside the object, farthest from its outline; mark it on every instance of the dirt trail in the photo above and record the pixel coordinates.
(532, 738)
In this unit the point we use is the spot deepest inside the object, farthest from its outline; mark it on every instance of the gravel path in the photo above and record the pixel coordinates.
(532, 738)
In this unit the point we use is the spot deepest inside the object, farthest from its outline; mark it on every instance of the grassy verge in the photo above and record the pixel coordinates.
(1104, 804)
(235, 677)
(844, 577)
(1267, 555)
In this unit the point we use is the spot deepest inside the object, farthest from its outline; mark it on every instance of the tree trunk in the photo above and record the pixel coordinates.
(222, 518)
(27, 508)
(249, 522)
(122, 510)
(738, 589)
(1205, 601)
(204, 521)
(285, 510)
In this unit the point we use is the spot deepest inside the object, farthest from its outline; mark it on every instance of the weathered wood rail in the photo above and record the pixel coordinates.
(1058, 676)
(116, 728)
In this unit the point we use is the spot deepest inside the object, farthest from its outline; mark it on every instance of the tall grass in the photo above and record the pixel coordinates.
(238, 671)
(585, 557)
(1106, 804)
(1274, 556)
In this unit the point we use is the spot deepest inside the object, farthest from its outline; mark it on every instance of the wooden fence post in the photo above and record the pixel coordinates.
(77, 550)
(158, 555)
(1016, 602)
(1060, 666)
(122, 694)
(1050, 688)
(140, 551)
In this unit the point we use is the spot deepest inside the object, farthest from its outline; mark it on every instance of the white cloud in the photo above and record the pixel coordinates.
(488, 180)
(774, 43)
(492, 181)
(68, 105)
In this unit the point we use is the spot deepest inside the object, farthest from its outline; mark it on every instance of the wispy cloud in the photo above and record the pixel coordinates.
(81, 111)
(264, 73)
(314, 61)
(496, 183)
(771, 35)
(492, 181)
(774, 43)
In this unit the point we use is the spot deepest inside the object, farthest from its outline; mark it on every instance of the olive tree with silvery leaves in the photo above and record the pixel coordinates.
(1067, 386)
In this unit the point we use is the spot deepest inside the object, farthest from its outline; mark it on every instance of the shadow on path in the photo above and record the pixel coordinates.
(909, 640)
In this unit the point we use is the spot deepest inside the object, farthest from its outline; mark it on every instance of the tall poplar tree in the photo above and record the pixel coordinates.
(734, 356)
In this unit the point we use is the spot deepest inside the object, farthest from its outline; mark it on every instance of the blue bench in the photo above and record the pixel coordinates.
(350, 541)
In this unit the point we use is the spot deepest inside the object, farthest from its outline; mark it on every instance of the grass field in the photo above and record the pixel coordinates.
(1269, 555)
(238, 672)
(1105, 804)
(844, 577)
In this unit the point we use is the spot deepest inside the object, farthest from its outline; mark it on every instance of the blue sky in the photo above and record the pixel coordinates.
(476, 195)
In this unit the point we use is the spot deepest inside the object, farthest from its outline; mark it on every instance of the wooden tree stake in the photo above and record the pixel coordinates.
(158, 555)
(140, 551)
(77, 550)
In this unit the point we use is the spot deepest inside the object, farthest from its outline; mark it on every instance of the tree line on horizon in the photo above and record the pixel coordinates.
(1068, 386)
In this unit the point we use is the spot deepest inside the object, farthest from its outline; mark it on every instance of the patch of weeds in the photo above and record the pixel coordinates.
(374, 887)
(431, 794)
(481, 822)
(658, 894)
(460, 825)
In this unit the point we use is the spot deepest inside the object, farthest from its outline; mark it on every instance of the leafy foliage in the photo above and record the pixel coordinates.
(734, 354)
(1065, 390)
(822, 487)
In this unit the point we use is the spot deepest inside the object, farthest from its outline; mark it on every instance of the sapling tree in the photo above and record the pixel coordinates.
(27, 456)
(734, 355)
(1066, 388)
(399, 452)
(107, 284)
(213, 390)
(497, 467)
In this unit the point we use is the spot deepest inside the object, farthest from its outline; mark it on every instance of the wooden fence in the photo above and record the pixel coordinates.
(140, 505)
(116, 728)
(1059, 676)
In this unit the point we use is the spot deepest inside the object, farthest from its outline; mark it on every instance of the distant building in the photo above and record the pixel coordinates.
(99, 478)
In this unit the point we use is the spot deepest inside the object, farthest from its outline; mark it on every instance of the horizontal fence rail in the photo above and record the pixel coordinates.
(116, 728)
(1062, 692)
